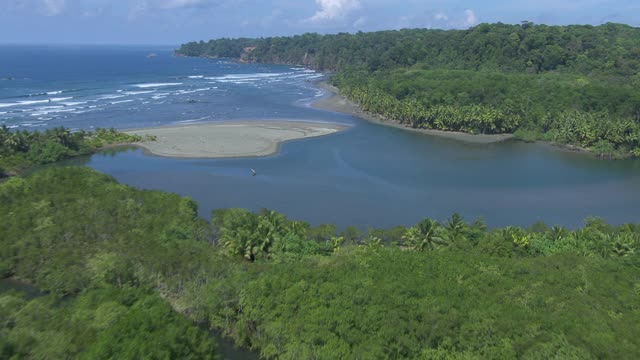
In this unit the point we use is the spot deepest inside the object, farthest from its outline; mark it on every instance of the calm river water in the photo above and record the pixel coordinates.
(368, 176)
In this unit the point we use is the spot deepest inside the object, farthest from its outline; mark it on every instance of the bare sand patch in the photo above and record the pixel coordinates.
(230, 139)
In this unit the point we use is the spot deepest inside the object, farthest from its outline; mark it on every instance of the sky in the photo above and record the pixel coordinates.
(171, 22)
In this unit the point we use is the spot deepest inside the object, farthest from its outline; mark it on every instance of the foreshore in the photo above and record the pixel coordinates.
(338, 103)
(229, 139)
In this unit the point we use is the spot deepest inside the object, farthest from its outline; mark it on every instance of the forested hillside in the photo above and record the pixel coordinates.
(567, 84)
(111, 260)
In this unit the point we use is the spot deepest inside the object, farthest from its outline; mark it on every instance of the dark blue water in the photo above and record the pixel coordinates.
(86, 87)
(369, 175)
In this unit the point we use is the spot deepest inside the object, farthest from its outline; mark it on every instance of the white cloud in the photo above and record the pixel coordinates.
(53, 7)
(360, 22)
(441, 16)
(470, 18)
(334, 9)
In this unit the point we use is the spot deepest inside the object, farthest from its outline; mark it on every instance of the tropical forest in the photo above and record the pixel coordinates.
(571, 85)
(94, 265)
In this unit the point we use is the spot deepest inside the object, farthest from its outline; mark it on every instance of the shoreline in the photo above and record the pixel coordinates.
(338, 103)
(229, 139)
(335, 102)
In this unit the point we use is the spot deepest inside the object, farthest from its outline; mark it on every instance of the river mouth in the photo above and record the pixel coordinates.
(368, 175)
(373, 176)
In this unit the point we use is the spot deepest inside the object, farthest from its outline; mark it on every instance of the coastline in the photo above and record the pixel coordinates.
(229, 139)
(338, 103)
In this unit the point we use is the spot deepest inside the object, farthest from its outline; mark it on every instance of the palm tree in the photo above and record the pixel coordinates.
(424, 236)
(455, 226)
(298, 228)
(15, 142)
(60, 135)
(271, 227)
(557, 233)
(336, 242)
(624, 245)
(373, 242)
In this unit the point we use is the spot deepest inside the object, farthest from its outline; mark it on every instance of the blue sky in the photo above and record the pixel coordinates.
(175, 21)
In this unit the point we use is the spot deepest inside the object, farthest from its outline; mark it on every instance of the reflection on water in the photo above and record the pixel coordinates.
(369, 176)
(375, 176)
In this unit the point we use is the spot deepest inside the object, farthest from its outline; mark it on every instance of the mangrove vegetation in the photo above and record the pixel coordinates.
(127, 273)
(22, 149)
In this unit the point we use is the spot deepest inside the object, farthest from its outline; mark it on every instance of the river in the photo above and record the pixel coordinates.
(367, 176)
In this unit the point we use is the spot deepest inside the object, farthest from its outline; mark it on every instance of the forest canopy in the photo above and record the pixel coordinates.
(121, 267)
(576, 85)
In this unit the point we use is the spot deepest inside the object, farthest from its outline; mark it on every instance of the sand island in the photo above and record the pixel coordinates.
(231, 138)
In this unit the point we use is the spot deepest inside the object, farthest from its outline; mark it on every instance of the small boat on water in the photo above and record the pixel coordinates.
(253, 172)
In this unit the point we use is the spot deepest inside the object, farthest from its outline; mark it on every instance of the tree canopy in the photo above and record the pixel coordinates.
(115, 260)
(575, 85)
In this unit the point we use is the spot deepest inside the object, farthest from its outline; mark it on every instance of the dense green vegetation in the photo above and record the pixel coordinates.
(107, 323)
(574, 85)
(21, 149)
(105, 253)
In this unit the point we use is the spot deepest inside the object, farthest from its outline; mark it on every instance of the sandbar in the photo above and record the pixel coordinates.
(338, 103)
(231, 138)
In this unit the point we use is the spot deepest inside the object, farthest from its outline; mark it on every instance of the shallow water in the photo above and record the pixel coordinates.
(368, 176)
(374, 176)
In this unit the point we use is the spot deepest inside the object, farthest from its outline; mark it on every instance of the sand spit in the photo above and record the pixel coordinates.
(230, 139)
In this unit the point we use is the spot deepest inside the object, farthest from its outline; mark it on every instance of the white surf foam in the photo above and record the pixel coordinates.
(33, 102)
(196, 76)
(61, 99)
(192, 91)
(140, 92)
(49, 107)
(84, 111)
(152, 85)
(73, 103)
(246, 77)
(120, 102)
(52, 111)
(160, 96)
(109, 97)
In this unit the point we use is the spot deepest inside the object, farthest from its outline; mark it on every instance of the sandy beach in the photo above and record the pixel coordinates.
(230, 139)
(338, 103)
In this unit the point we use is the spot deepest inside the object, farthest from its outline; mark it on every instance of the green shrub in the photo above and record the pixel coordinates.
(527, 135)
(48, 152)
